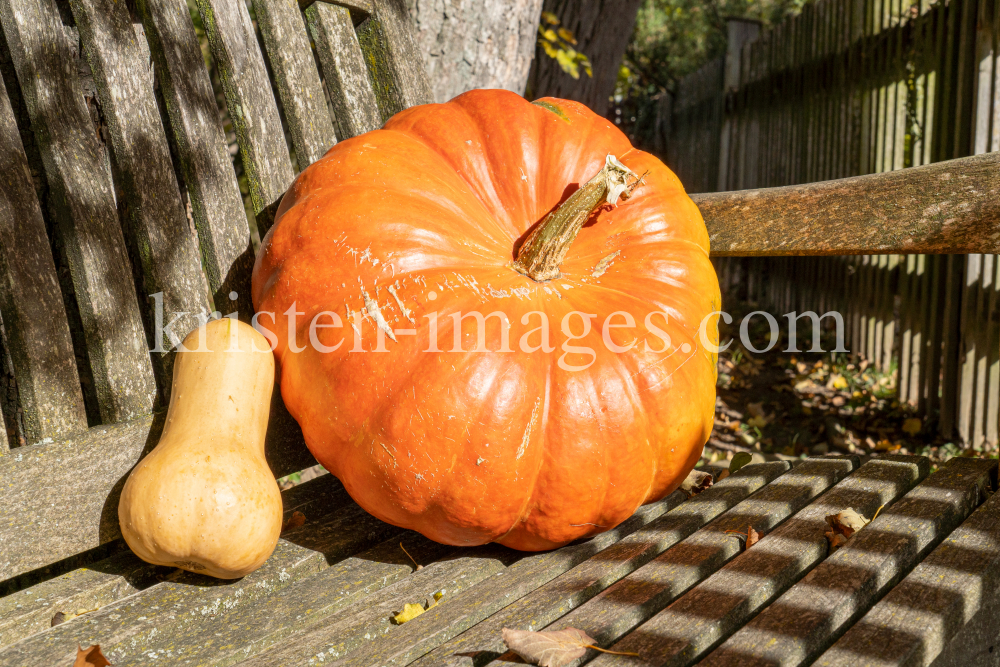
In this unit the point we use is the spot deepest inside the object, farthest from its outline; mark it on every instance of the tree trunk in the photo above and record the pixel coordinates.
(470, 44)
(603, 29)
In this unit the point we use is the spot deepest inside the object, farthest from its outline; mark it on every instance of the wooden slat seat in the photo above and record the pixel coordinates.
(144, 208)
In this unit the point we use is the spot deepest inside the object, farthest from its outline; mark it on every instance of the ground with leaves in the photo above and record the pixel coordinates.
(793, 404)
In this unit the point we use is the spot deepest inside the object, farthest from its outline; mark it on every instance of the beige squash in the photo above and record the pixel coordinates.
(204, 499)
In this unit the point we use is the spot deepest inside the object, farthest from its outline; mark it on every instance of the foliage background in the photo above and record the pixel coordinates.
(672, 39)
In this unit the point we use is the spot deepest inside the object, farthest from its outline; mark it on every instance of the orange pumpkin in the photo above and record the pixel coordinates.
(384, 250)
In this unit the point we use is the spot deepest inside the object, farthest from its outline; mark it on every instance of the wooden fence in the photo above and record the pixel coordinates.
(852, 87)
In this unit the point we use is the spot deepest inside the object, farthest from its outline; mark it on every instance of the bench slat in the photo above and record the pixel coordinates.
(813, 613)
(134, 626)
(34, 317)
(31, 610)
(438, 625)
(297, 79)
(718, 606)
(62, 497)
(568, 591)
(86, 210)
(914, 622)
(950, 207)
(618, 610)
(166, 245)
(216, 203)
(394, 64)
(355, 108)
(250, 102)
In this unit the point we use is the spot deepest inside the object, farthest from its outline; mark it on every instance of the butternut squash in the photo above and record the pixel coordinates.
(204, 499)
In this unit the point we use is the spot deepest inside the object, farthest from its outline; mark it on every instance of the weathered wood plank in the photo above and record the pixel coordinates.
(62, 497)
(816, 611)
(130, 631)
(166, 246)
(216, 203)
(365, 7)
(356, 110)
(946, 207)
(84, 200)
(718, 606)
(297, 79)
(914, 622)
(440, 624)
(250, 102)
(31, 611)
(548, 602)
(34, 317)
(396, 69)
(347, 611)
(617, 610)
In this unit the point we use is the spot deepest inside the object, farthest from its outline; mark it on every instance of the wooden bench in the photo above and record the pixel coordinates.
(670, 583)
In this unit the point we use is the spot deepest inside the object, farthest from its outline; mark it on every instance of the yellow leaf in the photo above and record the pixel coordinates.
(550, 18)
(410, 612)
(912, 426)
(549, 35)
(550, 50)
(759, 422)
(567, 35)
(837, 381)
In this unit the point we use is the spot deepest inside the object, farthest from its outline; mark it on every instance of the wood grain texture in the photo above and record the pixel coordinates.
(34, 317)
(297, 79)
(914, 622)
(83, 197)
(216, 202)
(396, 70)
(616, 611)
(946, 207)
(355, 108)
(443, 622)
(130, 632)
(61, 498)
(797, 627)
(165, 243)
(30, 611)
(249, 99)
(365, 7)
(573, 588)
(718, 606)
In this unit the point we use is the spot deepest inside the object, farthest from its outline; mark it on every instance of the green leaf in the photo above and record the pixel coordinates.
(739, 460)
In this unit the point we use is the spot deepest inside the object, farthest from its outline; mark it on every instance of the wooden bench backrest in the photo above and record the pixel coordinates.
(60, 492)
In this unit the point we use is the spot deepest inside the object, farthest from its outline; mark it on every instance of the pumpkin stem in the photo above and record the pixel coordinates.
(545, 248)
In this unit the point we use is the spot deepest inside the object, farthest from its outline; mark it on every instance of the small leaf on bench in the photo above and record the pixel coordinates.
(696, 482)
(843, 525)
(554, 648)
(410, 612)
(296, 520)
(750, 539)
(90, 657)
(738, 461)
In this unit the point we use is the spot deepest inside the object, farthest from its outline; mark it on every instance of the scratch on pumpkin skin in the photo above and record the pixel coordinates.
(407, 313)
(376, 315)
(604, 264)
(527, 430)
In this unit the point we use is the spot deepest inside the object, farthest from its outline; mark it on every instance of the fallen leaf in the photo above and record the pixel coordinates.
(410, 612)
(750, 539)
(59, 618)
(294, 521)
(836, 381)
(90, 657)
(912, 426)
(843, 525)
(696, 482)
(758, 422)
(722, 475)
(553, 648)
(739, 460)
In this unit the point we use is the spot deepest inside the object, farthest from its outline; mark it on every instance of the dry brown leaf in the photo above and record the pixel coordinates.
(90, 657)
(751, 538)
(843, 525)
(553, 648)
(297, 519)
(696, 482)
